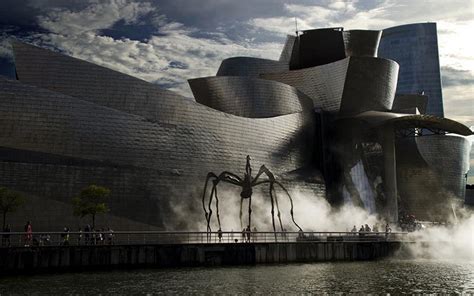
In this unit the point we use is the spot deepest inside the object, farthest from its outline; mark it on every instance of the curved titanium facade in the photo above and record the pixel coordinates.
(247, 66)
(431, 174)
(160, 144)
(176, 154)
(362, 43)
(249, 97)
(370, 85)
(415, 48)
(323, 84)
(351, 85)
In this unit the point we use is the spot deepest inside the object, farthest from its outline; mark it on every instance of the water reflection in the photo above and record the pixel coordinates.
(394, 277)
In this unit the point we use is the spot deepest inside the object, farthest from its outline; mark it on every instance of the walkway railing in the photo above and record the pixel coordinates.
(19, 239)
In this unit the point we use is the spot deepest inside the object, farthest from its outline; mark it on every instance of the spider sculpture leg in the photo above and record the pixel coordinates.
(224, 177)
(273, 196)
(210, 211)
(277, 207)
(217, 204)
(291, 203)
(207, 215)
(271, 180)
(250, 212)
(273, 210)
(240, 213)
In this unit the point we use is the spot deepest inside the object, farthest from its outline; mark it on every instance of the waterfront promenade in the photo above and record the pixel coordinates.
(179, 249)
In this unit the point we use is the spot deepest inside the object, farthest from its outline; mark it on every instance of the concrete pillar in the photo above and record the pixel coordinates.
(390, 173)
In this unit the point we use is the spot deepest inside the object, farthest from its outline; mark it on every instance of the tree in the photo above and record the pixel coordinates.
(10, 201)
(91, 201)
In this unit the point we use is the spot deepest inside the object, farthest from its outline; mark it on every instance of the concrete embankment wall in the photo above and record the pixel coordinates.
(65, 258)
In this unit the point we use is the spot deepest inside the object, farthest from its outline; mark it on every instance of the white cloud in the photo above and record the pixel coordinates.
(460, 103)
(455, 45)
(150, 60)
(99, 15)
(335, 14)
(5, 47)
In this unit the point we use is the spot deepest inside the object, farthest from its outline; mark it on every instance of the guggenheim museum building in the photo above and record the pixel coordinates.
(327, 118)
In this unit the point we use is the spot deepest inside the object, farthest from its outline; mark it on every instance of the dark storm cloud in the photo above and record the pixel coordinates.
(24, 13)
(18, 13)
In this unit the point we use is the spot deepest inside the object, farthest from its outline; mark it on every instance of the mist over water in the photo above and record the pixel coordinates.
(313, 213)
(452, 241)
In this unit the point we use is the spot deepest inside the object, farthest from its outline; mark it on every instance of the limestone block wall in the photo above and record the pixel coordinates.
(249, 97)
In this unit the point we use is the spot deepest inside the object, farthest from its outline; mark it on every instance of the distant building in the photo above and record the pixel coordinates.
(415, 48)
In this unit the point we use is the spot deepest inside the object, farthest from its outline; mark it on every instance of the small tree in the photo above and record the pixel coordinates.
(91, 201)
(10, 201)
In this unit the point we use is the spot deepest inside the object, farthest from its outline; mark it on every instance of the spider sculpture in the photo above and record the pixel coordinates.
(247, 183)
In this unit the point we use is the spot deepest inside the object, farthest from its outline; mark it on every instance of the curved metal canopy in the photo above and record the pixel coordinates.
(405, 121)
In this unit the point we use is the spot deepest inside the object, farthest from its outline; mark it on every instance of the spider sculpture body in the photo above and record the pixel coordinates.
(246, 183)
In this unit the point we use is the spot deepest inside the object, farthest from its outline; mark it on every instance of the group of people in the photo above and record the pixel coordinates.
(366, 229)
(247, 234)
(91, 236)
(88, 236)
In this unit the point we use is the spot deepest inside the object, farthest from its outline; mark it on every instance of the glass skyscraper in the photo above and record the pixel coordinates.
(415, 48)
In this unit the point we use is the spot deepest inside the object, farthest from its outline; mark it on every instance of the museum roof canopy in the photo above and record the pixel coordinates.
(376, 119)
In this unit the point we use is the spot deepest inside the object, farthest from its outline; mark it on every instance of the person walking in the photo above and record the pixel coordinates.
(354, 230)
(79, 236)
(367, 228)
(387, 230)
(361, 230)
(87, 231)
(28, 233)
(110, 236)
(65, 236)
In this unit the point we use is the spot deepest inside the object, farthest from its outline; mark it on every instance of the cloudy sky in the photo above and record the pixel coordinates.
(168, 41)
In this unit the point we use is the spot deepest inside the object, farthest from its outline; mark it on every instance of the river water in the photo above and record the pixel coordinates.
(387, 276)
